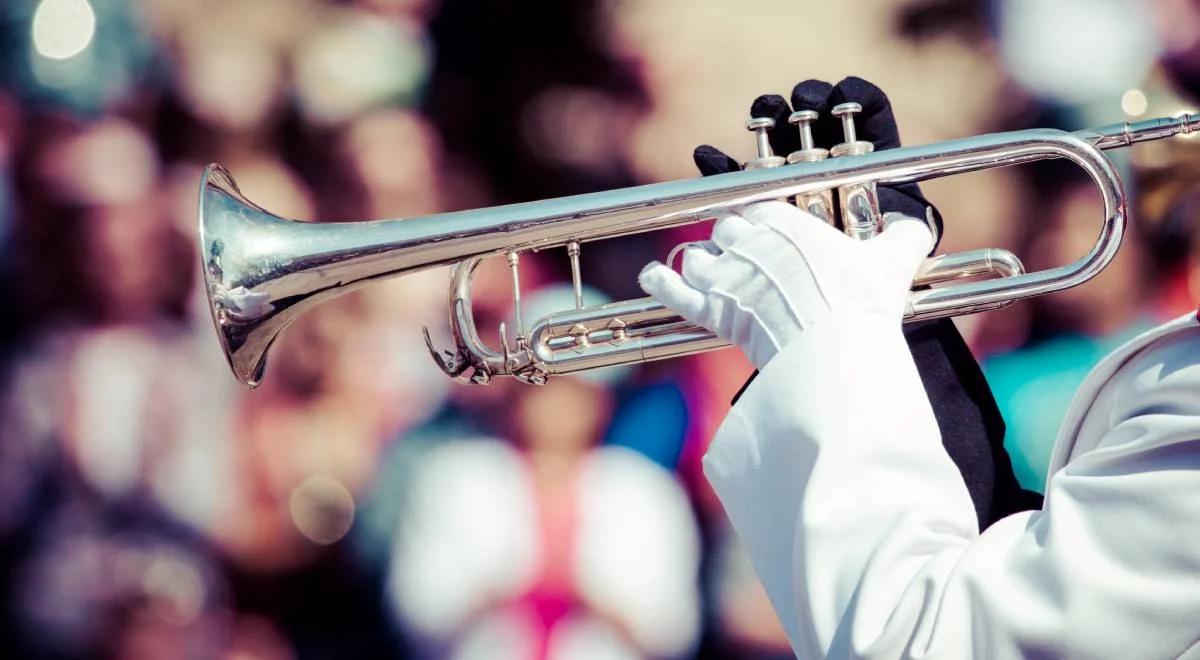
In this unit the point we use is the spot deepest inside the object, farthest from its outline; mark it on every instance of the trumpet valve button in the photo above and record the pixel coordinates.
(762, 163)
(807, 156)
(847, 108)
(802, 120)
(760, 123)
(766, 157)
(808, 152)
(851, 145)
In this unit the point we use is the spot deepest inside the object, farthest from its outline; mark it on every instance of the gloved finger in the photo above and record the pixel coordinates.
(710, 160)
(876, 123)
(668, 287)
(804, 230)
(729, 229)
(907, 200)
(814, 95)
(782, 213)
(783, 137)
(905, 241)
(698, 267)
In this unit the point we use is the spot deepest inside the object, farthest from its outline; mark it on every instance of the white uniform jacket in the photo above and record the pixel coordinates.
(860, 527)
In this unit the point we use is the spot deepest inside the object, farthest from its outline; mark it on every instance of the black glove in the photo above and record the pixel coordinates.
(875, 124)
(970, 422)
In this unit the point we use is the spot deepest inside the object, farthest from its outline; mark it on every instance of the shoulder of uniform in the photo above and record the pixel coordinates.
(1162, 376)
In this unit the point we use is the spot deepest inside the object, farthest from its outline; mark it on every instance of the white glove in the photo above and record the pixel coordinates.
(781, 271)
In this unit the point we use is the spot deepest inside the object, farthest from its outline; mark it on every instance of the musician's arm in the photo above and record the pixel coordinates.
(860, 527)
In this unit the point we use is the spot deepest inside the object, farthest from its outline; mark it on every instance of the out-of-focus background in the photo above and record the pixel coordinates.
(358, 504)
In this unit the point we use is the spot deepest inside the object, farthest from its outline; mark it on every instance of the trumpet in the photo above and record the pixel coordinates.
(263, 271)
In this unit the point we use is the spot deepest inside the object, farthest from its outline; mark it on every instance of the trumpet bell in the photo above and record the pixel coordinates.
(229, 227)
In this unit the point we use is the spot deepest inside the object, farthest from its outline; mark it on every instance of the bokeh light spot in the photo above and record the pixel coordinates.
(1134, 102)
(178, 585)
(322, 509)
(63, 28)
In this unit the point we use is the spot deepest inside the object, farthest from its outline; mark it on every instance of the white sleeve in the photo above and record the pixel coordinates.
(860, 527)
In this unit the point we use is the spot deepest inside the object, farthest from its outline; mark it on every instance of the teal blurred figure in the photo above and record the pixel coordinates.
(1034, 386)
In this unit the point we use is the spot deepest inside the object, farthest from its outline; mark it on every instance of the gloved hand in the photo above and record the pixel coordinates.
(781, 271)
(876, 124)
(971, 426)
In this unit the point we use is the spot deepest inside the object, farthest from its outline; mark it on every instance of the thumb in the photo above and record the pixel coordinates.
(904, 242)
(669, 288)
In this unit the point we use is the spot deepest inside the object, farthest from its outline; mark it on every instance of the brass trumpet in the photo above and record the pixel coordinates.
(263, 271)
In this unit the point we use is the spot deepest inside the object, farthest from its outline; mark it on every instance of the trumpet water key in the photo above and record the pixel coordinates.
(263, 271)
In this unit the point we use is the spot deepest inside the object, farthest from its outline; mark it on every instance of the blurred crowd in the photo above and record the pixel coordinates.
(359, 504)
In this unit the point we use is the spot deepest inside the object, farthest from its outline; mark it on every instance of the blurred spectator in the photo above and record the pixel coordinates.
(1176, 22)
(743, 608)
(549, 547)
(1176, 245)
(133, 593)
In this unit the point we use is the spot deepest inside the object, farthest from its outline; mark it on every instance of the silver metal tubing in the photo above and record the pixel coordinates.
(576, 281)
(263, 271)
(992, 262)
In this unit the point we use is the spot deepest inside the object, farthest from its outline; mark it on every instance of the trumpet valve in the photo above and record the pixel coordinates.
(851, 145)
(819, 204)
(859, 201)
(808, 151)
(766, 157)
